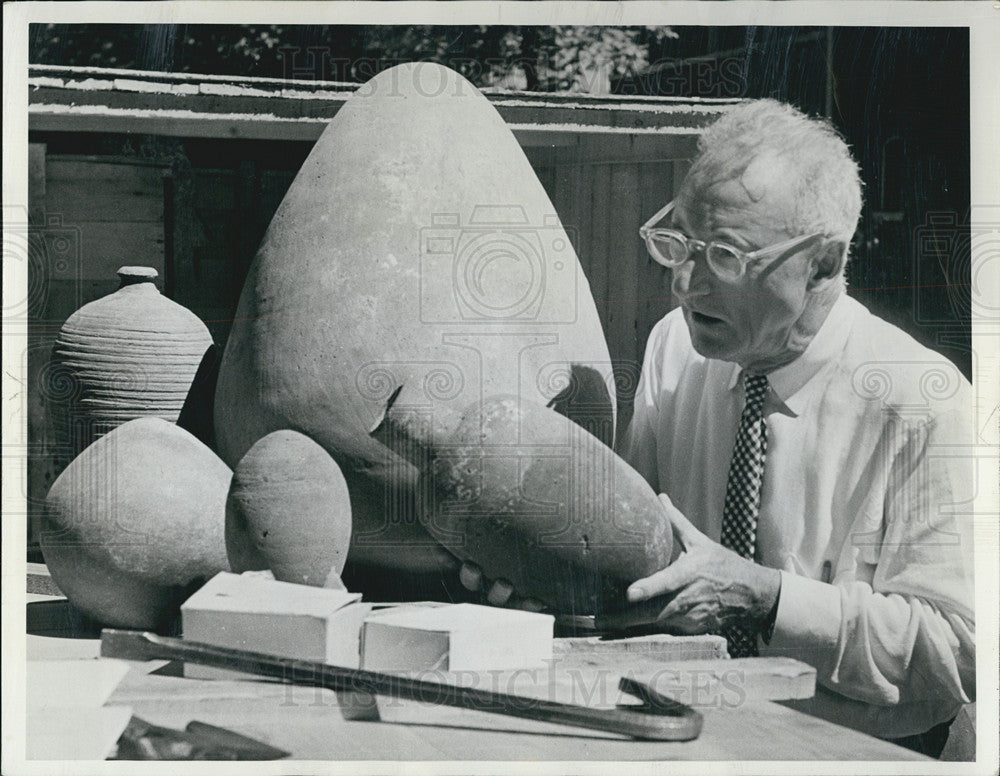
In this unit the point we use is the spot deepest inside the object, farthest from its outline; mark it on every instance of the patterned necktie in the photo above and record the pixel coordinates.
(746, 472)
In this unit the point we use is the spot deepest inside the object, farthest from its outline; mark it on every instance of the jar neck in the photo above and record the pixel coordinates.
(136, 276)
(145, 286)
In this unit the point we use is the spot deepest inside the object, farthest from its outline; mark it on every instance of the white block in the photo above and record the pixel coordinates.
(458, 637)
(257, 614)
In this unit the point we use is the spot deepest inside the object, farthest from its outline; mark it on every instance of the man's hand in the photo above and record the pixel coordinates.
(498, 592)
(707, 589)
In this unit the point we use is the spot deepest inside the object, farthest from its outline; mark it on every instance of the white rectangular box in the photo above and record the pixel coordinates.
(456, 637)
(257, 614)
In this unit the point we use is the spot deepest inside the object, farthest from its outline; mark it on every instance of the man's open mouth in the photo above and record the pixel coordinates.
(705, 320)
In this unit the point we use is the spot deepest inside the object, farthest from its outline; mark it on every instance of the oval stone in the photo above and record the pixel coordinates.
(289, 511)
(136, 522)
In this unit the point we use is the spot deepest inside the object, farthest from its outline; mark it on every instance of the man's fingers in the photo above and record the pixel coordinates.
(470, 576)
(500, 592)
(687, 534)
(529, 604)
(664, 581)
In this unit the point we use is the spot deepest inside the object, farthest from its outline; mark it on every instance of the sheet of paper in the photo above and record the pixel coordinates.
(79, 733)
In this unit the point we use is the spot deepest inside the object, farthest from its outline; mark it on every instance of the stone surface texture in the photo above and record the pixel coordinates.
(136, 522)
(532, 498)
(289, 511)
(416, 264)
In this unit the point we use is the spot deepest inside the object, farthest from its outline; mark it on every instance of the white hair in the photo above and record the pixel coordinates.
(827, 186)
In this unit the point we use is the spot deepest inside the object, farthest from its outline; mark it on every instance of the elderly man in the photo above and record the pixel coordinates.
(814, 455)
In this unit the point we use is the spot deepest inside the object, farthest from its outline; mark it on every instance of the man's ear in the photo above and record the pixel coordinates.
(828, 263)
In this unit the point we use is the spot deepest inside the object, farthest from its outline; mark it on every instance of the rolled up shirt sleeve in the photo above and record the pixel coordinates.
(896, 626)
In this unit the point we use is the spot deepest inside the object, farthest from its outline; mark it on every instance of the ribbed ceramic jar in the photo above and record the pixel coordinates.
(131, 354)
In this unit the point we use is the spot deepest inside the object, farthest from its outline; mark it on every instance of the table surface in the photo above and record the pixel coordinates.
(308, 722)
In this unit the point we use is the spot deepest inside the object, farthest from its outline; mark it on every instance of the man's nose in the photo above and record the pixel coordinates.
(689, 279)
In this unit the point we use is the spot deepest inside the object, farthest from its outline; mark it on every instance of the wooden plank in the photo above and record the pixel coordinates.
(657, 646)
(98, 200)
(597, 193)
(593, 680)
(226, 126)
(542, 160)
(106, 246)
(681, 167)
(36, 174)
(657, 186)
(236, 126)
(583, 195)
(96, 249)
(274, 184)
(662, 147)
(566, 185)
(713, 683)
(65, 297)
(251, 230)
(139, 173)
(624, 257)
(62, 89)
(308, 722)
(215, 190)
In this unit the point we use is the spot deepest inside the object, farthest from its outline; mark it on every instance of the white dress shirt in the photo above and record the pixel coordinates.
(866, 506)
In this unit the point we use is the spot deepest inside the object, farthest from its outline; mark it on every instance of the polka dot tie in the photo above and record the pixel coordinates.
(746, 473)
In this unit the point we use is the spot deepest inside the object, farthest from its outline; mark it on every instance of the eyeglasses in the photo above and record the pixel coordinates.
(672, 248)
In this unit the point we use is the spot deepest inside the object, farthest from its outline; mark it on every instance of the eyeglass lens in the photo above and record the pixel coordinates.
(672, 251)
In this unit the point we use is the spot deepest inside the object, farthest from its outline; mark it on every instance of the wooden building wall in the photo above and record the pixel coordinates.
(88, 216)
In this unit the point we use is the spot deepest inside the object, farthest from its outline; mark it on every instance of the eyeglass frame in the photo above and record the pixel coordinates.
(646, 232)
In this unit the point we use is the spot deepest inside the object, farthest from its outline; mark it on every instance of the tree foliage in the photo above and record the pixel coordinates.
(534, 58)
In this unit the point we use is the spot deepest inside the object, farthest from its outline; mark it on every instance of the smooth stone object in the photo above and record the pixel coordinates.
(128, 355)
(289, 511)
(532, 498)
(136, 522)
(415, 263)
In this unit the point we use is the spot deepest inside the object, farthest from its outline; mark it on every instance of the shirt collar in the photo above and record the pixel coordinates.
(791, 383)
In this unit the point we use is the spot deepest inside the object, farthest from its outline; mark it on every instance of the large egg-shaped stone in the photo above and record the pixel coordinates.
(534, 499)
(289, 511)
(136, 522)
(416, 263)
